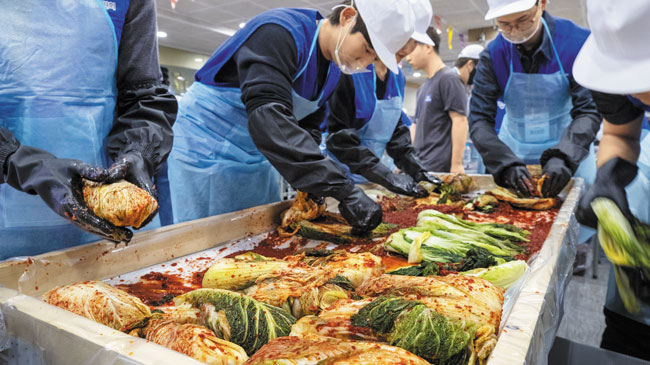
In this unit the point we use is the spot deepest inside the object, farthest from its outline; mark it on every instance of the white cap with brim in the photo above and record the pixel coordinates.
(423, 14)
(499, 8)
(390, 24)
(472, 51)
(615, 58)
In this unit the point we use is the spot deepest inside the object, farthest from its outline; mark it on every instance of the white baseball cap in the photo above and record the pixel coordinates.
(423, 13)
(390, 24)
(499, 8)
(616, 56)
(472, 51)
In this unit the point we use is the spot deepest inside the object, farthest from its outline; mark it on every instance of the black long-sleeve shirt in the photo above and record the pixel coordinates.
(576, 139)
(145, 109)
(264, 68)
(347, 146)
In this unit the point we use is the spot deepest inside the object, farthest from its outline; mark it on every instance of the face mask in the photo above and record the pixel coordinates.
(470, 80)
(347, 65)
(522, 38)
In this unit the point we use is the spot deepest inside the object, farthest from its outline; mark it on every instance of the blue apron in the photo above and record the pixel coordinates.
(538, 110)
(381, 120)
(57, 93)
(215, 167)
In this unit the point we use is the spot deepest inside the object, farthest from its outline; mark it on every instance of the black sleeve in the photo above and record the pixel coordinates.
(312, 123)
(342, 139)
(8, 145)
(266, 64)
(145, 109)
(578, 136)
(616, 109)
(497, 157)
(342, 108)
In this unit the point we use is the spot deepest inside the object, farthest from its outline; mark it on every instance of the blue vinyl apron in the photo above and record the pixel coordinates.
(538, 110)
(380, 125)
(215, 167)
(57, 92)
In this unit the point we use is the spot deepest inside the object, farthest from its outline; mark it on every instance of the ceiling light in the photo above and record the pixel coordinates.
(198, 59)
(181, 78)
(241, 25)
(417, 74)
(162, 34)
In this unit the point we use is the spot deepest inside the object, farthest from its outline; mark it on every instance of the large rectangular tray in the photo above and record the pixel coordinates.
(31, 330)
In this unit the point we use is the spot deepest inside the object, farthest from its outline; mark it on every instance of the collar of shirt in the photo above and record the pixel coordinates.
(543, 53)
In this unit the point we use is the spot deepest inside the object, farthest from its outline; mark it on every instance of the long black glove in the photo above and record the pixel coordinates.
(557, 174)
(361, 212)
(411, 165)
(397, 183)
(518, 178)
(59, 182)
(611, 180)
(137, 170)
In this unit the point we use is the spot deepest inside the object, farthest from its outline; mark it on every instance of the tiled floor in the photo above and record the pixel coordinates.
(583, 320)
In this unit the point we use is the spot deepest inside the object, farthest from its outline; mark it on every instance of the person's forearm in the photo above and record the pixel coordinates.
(412, 129)
(459, 129)
(620, 141)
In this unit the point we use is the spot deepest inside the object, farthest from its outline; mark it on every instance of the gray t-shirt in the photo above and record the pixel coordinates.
(439, 95)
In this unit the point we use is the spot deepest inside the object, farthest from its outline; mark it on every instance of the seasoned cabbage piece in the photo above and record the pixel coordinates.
(100, 302)
(120, 203)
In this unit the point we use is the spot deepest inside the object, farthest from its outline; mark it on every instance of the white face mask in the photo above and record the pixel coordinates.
(522, 38)
(347, 65)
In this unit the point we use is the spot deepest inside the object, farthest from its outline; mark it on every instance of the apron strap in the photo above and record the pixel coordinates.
(311, 52)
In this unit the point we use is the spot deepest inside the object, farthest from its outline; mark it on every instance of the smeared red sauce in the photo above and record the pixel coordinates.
(156, 288)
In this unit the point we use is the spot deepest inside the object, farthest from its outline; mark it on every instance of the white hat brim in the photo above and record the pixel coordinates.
(608, 73)
(387, 57)
(423, 38)
(512, 8)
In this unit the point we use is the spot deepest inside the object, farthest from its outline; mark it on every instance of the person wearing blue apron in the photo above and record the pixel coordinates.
(366, 120)
(549, 118)
(613, 64)
(252, 115)
(71, 105)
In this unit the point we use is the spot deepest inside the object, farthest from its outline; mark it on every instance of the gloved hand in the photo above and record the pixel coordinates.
(611, 180)
(59, 182)
(426, 176)
(518, 178)
(557, 174)
(361, 212)
(135, 169)
(397, 183)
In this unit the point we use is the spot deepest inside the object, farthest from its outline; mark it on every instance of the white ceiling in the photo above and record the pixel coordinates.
(200, 26)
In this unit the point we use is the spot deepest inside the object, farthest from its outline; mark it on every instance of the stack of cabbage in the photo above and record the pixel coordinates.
(350, 312)
(478, 249)
(345, 299)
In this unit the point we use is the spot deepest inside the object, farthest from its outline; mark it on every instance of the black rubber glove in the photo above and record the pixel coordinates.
(428, 177)
(557, 174)
(361, 212)
(397, 183)
(59, 182)
(518, 178)
(135, 169)
(611, 180)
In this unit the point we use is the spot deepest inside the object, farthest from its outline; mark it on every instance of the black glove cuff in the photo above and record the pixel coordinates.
(8, 145)
(148, 153)
(553, 152)
(377, 174)
(345, 191)
(411, 165)
(617, 170)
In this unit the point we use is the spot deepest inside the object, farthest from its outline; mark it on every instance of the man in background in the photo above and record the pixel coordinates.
(441, 111)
